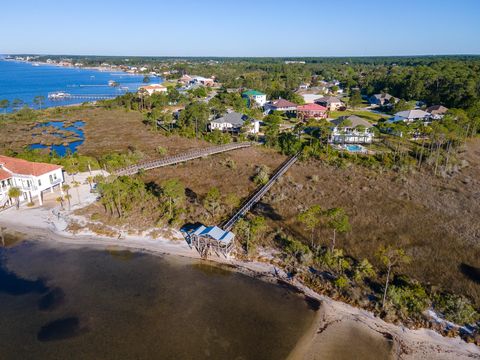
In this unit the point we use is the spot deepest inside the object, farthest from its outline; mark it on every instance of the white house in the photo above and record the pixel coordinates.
(351, 130)
(258, 97)
(411, 116)
(234, 122)
(31, 178)
(153, 88)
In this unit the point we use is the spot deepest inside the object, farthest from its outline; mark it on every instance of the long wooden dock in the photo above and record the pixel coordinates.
(171, 160)
(247, 205)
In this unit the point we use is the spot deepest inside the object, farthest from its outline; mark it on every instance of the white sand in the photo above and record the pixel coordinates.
(340, 330)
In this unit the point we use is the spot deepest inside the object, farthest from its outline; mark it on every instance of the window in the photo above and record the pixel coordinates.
(51, 178)
(39, 182)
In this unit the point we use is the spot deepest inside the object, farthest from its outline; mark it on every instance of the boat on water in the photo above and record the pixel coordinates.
(58, 95)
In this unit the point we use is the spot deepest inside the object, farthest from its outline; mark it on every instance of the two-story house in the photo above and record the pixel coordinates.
(351, 130)
(32, 178)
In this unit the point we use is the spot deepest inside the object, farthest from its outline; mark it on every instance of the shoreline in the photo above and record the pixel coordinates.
(333, 318)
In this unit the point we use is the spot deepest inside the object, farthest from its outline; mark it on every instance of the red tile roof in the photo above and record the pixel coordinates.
(4, 175)
(24, 167)
(311, 107)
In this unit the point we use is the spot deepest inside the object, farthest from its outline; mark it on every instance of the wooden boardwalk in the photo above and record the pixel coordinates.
(171, 160)
(247, 205)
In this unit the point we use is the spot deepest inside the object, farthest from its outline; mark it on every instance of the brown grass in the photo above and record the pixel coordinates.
(105, 131)
(436, 220)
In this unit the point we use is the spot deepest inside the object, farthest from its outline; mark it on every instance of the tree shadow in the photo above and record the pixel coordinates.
(471, 272)
(266, 210)
(191, 195)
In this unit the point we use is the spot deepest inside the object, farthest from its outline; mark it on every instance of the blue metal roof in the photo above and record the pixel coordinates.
(215, 233)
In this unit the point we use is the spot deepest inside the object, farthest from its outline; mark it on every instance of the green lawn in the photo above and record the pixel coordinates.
(368, 115)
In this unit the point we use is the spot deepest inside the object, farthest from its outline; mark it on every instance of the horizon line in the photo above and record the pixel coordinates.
(243, 56)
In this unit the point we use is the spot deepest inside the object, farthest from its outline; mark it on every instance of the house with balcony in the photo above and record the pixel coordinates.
(311, 111)
(281, 105)
(32, 178)
(351, 130)
(255, 97)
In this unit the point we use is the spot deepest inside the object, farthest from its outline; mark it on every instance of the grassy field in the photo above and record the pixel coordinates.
(368, 115)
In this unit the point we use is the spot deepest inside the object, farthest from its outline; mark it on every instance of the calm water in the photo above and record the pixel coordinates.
(65, 302)
(62, 149)
(25, 81)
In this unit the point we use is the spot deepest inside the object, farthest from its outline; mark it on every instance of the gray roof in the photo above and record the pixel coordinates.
(413, 114)
(234, 118)
(328, 100)
(354, 119)
(215, 233)
(382, 96)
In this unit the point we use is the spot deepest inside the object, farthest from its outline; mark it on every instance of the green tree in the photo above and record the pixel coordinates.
(355, 99)
(391, 258)
(337, 220)
(174, 192)
(311, 219)
(15, 193)
(39, 101)
(363, 270)
(60, 201)
(4, 104)
(17, 104)
(211, 201)
(67, 195)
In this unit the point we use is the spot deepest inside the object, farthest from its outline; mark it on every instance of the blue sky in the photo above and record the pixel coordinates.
(240, 28)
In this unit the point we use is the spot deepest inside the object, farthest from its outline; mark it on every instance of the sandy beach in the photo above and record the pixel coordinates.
(340, 331)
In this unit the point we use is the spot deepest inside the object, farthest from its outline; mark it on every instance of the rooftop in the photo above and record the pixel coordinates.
(412, 114)
(233, 118)
(329, 100)
(436, 109)
(215, 233)
(4, 175)
(352, 120)
(253, 93)
(24, 167)
(282, 103)
(311, 107)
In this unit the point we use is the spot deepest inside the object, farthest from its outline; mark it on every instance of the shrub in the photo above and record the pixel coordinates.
(161, 150)
(262, 175)
(296, 249)
(409, 298)
(456, 308)
(341, 282)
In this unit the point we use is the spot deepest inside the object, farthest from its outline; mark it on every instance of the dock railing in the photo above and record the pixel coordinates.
(172, 160)
(253, 199)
